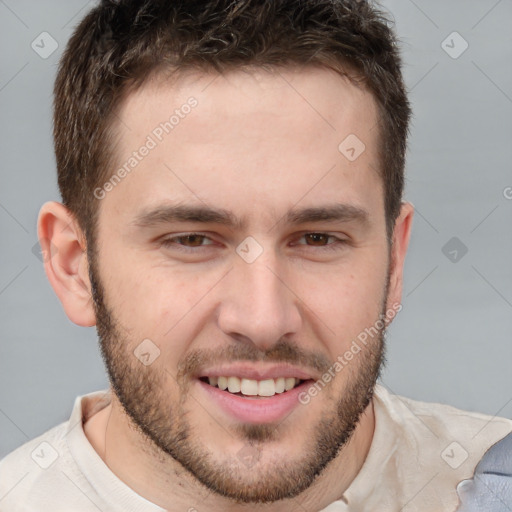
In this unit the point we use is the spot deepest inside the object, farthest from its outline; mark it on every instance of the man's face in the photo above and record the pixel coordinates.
(174, 309)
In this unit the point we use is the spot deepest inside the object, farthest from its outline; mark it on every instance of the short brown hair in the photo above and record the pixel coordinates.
(120, 43)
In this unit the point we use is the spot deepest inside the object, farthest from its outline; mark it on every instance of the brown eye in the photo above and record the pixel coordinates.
(317, 239)
(186, 241)
(324, 241)
(191, 240)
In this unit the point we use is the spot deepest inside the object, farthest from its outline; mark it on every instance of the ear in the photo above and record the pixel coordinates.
(65, 261)
(401, 236)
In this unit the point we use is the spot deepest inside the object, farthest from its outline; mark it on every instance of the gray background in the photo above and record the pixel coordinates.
(451, 342)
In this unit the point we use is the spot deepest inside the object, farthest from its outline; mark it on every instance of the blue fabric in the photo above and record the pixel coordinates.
(490, 489)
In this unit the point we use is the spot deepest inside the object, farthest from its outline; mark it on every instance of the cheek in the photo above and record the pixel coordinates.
(155, 301)
(344, 300)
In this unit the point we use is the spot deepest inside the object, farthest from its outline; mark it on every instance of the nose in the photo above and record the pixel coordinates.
(258, 302)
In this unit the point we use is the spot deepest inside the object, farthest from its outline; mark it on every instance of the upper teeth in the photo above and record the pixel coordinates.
(267, 387)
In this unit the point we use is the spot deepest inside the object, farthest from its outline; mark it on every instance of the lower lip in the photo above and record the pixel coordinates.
(256, 410)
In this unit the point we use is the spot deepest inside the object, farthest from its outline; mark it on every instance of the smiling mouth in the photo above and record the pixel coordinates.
(249, 388)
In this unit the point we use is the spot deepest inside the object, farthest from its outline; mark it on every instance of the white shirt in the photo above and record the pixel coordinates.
(419, 453)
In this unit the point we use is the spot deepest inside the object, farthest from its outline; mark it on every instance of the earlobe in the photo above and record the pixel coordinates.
(65, 261)
(401, 237)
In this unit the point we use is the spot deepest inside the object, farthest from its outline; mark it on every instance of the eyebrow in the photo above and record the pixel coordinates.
(167, 214)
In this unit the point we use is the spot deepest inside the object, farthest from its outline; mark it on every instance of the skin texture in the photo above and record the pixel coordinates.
(257, 144)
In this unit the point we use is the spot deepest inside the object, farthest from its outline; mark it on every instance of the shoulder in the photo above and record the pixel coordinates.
(43, 471)
(444, 420)
(438, 440)
(32, 466)
(41, 451)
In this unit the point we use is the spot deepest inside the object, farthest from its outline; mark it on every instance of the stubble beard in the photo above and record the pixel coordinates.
(164, 426)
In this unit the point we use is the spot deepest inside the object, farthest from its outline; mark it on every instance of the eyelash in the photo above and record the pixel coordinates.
(170, 242)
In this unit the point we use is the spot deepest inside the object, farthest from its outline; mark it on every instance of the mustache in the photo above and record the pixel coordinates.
(283, 352)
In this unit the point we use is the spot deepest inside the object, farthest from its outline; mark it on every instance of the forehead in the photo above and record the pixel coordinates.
(249, 138)
(319, 96)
